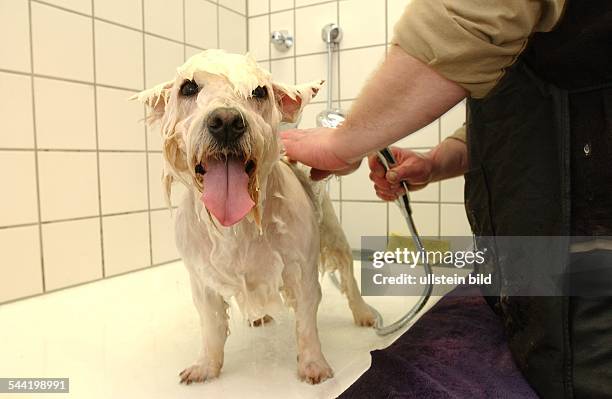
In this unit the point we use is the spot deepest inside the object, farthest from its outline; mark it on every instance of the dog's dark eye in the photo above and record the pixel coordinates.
(189, 88)
(260, 92)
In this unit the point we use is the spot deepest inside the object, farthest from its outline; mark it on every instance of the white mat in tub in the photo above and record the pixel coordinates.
(128, 337)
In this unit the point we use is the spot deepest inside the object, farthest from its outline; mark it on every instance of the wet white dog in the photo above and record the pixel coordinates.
(251, 226)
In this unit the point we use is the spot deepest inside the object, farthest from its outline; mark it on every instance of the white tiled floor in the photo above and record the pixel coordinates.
(128, 337)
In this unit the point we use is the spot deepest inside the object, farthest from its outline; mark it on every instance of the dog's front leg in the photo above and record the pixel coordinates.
(312, 366)
(213, 317)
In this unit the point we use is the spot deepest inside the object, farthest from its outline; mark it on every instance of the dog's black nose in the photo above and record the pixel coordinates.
(226, 125)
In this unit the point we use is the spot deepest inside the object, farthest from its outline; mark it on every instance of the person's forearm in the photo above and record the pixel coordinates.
(403, 96)
(449, 159)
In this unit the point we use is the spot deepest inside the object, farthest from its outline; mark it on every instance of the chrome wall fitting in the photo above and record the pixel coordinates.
(331, 33)
(282, 40)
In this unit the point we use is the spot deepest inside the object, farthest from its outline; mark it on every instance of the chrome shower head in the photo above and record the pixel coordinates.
(330, 118)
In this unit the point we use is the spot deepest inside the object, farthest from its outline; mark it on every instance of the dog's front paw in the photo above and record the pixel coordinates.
(315, 371)
(198, 373)
(363, 316)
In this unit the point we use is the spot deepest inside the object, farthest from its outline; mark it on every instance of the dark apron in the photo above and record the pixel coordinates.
(540, 150)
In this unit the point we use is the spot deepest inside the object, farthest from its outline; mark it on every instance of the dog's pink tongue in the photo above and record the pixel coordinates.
(226, 191)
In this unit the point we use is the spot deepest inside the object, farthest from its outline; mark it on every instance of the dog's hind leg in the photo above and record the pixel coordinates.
(336, 256)
(304, 296)
(214, 323)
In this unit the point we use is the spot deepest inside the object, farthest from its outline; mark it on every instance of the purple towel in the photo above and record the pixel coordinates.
(457, 350)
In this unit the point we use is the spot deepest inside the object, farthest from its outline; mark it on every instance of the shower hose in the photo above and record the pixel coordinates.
(403, 202)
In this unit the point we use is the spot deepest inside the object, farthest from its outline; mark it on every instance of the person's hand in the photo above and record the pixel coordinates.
(414, 168)
(317, 149)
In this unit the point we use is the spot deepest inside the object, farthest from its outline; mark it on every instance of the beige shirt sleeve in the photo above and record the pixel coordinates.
(471, 42)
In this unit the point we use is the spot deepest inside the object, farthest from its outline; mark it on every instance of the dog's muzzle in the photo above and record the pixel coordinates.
(226, 125)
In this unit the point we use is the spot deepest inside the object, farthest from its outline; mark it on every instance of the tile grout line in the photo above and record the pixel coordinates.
(10, 301)
(146, 134)
(77, 218)
(294, 37)
(36, 163)
(269, 33)
(218, 28)
(95, 96)
(246, 22)
(184, 35)
(289, 9)
(80, 150)
(84, 14)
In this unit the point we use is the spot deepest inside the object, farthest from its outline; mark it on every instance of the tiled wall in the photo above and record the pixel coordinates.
(367, 27)
(81, 198)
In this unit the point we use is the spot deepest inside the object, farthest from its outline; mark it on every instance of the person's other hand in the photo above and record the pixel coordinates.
(316, 148)
(413, 167)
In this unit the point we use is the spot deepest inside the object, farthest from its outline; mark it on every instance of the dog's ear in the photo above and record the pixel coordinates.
(292, 99)
(156, 99)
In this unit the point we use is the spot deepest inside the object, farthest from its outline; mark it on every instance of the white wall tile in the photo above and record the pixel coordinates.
(431, 193)
(123, 182)
(154, 139)
(120, 122)
(282, 21)
(20, 271)
(308, 119)
(125, 12)
(14, 35)
(164, 18)
(425, 137)
(362, 22)
(162, 235)
(63, 43)
(18, 176)
(232, 32)
(358, 186)
(259, 39)
(118, 56)
(126, 243)
(452, 189)
(156, 193)
(162, 57)
(72, 252)
(16, 111)
(314, 67)
(257, 7)
(426, 217)
(454, 221)
(453, 119)
(363, 219)
(277, 5)
(301, 3)
(356, 66)
(83, 6)
(333, 187)
(283, 71)
(191, 51)
(201, 23)
(309, 22)
(68, 185)
(395, 9)
(65, 114)
(236, 5)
